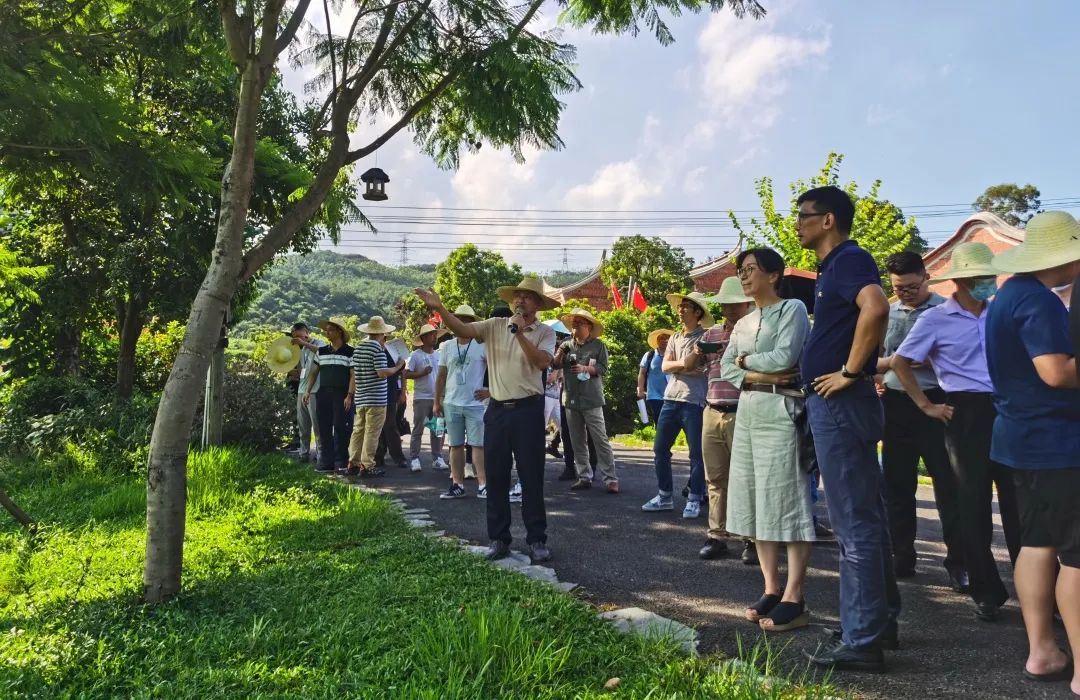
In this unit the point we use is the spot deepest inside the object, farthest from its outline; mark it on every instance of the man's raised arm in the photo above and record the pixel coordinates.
(455, 324)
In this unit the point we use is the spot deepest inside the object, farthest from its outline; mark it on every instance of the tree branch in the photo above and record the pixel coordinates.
(268, 39)
(293, 26)
(378, 54)
(235, 32)
(330, 49)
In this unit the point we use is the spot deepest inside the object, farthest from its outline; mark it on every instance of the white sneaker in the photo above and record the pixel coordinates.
(415, 465)
(515, 493)
(440, 464)
(692, 509)
(481, 492)
(470, 471)
(658, 503)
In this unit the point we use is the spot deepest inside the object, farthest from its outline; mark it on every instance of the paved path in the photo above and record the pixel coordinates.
(623, 557)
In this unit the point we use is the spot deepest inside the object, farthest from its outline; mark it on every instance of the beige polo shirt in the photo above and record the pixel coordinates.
(510, 374)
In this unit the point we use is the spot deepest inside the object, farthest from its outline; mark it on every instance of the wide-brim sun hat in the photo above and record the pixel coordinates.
(654, 337)
(730, 293)
(697, 298)
(335, 322)
(597, 326)
(969, 260)
(1051, 238)
(282, 355)
(528, 284)
(424, 330)
(464, 311)
(376, 326)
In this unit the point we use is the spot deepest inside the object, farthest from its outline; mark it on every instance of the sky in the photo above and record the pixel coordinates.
(937, 100)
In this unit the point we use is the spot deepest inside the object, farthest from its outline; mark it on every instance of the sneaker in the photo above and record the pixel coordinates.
(659, 502)
(692, 509)
(612, 486)
(749, 553)
(481, 492)
(515, 493)
(470, 471)
(415, 465)
(440, 464)
(455, 491)
(325, 468)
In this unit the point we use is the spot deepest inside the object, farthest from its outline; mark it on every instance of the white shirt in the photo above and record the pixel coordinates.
(465, 366)
(423, 387)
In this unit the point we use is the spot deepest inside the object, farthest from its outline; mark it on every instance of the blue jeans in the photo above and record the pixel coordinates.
(846, 434)
(676, 416)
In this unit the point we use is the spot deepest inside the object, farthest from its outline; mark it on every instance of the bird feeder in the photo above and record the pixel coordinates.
(376, 180)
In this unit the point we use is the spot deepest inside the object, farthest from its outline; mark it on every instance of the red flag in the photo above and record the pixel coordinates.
(616, 295)
(638, 300)
(436, 319)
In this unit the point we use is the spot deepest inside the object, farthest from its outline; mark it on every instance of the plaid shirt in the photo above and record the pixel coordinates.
(721, 393)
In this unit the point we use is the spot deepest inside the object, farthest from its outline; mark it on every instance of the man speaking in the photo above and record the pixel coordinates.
(519, 349)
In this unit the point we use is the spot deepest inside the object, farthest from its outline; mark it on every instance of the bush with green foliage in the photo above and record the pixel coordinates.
(259, 408)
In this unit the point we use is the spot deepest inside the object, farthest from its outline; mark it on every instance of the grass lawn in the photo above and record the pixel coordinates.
(296, 586)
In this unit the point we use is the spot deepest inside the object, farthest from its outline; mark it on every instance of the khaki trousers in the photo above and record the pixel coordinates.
(717, 436)
(367, 425)
(584, 424)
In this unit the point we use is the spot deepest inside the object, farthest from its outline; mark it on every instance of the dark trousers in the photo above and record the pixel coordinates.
(967, 438)
(390, 438)
(910, 435)
(652, 409)
(568, 445)
(846, 434)
(334, 431)
(514, 434)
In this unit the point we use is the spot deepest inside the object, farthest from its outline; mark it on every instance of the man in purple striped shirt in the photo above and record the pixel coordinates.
(952, 338)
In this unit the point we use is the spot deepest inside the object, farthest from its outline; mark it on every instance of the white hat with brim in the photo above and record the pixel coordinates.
(464, 311)
(597, 326)
(654, 337)
(282, 355)
(335, 322)
(969, 260)
(376, 326)
(528, 284)
(424, 330)
(697, 298)
(1051, 239)
(730, 293)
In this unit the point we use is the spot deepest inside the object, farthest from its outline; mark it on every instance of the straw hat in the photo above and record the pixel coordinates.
(730, 293)
(969, 260)
(376, 326)
(335, 322)
(424, 330)
(528, 284)
(1050, 239)
(282, 355)
(654, 337)
(697, 298)
(464, 311)
(597, 326)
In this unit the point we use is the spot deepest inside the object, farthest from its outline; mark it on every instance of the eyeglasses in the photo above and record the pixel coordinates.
(907, 288)
(809, 214)
(745, 272)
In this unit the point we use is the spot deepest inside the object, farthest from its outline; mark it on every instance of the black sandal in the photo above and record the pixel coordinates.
(786, 616)
(763, 607)
(373, 471)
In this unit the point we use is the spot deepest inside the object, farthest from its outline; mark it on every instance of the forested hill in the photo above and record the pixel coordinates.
(325, 283)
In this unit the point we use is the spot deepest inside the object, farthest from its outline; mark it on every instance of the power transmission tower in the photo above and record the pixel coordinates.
(565, 267)
(404, 251)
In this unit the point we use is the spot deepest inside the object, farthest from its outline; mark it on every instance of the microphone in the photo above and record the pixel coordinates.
(519, 311)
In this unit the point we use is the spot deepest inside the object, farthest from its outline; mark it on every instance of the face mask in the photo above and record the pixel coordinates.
(984, 290)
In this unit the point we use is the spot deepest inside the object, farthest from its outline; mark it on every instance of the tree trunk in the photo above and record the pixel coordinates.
(215, 396)
(67, 349)
(131, 323)
(166, 482)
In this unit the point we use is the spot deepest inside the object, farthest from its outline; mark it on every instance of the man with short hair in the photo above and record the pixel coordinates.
(684, 402)
(911, 435)
(307, 420)
(1032, 363)
(421, 369)
(462, 366)
(851, 314)
(952, 338)
(330, 372)
(519, 349)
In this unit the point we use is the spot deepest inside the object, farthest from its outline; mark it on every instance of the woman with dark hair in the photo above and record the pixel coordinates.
(767, 496)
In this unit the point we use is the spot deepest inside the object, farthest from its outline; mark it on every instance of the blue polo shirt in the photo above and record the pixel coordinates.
(1037, 426)
(844, 272)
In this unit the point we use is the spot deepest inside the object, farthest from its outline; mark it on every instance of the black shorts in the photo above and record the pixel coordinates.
(1049, 501)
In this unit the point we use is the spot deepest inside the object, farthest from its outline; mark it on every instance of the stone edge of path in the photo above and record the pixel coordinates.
(627, 620)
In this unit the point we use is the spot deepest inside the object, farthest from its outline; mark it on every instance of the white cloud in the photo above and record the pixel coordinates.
(877, 114)
(491, 179)
(622, 185)
(694, 182)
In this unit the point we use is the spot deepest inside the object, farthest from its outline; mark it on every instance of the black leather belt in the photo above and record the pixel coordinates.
(724, 409)
(515, 402)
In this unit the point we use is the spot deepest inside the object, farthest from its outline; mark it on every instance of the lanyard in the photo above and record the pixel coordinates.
(461, 358)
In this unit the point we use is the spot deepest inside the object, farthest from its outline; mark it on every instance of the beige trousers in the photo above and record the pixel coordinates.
(590, 422)
(367, 425)
(717, 436)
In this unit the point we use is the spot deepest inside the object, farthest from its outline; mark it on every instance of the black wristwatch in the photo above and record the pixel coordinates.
(849, 375)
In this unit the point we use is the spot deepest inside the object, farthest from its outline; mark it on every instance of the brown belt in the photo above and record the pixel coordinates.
(776, 389)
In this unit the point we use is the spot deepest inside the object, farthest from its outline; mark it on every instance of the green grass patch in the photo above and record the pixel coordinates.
(296, 586)
(644, 436)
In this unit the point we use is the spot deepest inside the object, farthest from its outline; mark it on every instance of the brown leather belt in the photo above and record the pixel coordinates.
(776, 389)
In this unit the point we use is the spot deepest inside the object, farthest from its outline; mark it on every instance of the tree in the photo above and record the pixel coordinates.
(880, 226)
(454, 71)
(1016, 204)
(470, 276)
(656, 266)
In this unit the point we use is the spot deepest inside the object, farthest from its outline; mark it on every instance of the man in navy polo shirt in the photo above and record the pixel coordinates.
(851, 314)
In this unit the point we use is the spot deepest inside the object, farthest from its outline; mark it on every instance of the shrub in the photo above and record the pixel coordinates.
(259, 408)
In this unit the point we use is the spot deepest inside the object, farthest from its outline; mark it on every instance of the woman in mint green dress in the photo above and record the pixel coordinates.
(768, 498)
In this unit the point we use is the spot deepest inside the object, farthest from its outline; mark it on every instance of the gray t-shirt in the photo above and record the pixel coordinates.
(686, 387)
(901, 320)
